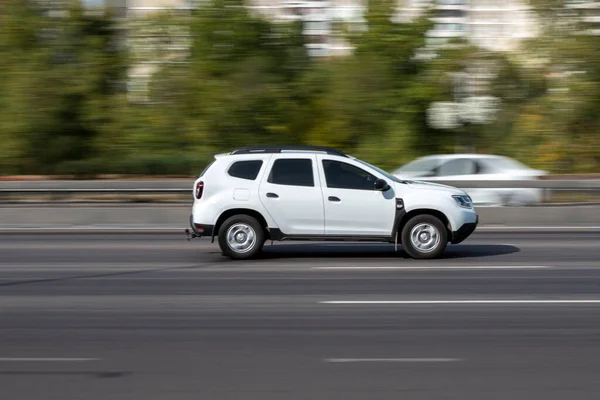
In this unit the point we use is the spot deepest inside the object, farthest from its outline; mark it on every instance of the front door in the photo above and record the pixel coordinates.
(352, 205)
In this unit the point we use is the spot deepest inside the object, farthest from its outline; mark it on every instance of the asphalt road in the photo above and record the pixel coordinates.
(151, 316)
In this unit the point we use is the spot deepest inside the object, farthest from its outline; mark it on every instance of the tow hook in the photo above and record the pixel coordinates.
(191, 235)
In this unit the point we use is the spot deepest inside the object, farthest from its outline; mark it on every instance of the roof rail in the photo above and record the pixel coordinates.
(282, 149)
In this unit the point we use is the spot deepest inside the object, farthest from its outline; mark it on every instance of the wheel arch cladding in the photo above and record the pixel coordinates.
(237, 211)
(426, 211)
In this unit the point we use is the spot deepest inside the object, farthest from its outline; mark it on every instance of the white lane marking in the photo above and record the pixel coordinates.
(582, 301)
(397, 360)
(441, 268)
(491, 228)
(23, 359)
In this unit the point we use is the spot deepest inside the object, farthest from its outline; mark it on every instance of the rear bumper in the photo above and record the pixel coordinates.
(201, 229)
(464, 231)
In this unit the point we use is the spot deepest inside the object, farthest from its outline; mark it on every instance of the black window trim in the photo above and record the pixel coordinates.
(352, 165)
(312, 170)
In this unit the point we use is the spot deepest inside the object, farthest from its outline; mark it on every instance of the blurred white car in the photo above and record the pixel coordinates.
(477, 167)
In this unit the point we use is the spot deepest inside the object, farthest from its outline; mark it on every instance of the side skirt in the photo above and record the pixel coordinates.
(277, 235)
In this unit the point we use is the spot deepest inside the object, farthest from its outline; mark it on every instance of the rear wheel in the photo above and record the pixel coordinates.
(241, 237)
(424, 237)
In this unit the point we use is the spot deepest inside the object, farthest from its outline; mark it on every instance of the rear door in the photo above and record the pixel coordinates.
(466, 169)
(456, 169)
(291, 193)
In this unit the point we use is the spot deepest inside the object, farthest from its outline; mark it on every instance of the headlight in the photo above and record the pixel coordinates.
(463, 201)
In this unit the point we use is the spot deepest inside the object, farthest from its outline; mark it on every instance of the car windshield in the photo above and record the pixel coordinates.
(420, 165)
(382, 172)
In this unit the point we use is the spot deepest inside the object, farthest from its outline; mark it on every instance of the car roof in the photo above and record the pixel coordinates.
(464, 155)
(287, 149)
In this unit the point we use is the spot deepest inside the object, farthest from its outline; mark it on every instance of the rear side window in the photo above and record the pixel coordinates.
(462, 166)
(245, 169)
(292, 172)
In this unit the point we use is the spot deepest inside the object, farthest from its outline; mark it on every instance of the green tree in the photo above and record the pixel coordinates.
(373, 105)
(20, 26)
(567, 132)
(62, 74)
(245, 71)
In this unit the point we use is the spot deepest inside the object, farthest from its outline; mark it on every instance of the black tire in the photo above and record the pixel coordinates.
(437, 243)
(244, 225)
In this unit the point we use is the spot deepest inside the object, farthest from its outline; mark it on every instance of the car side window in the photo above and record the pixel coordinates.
(292, 172)
(340, 175)
(245, 169)
(463, 166)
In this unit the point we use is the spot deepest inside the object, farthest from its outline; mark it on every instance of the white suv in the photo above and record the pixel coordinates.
(255, 194)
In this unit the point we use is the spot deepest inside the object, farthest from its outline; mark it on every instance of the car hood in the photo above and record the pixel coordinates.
(505, 174)
(410, 174)
(421, 185)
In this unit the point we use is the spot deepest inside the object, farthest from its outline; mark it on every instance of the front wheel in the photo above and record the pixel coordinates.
(241, 237)
(424, 237)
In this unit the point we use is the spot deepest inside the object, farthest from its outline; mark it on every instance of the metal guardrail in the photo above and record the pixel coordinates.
(106, 191)
(184, 186)
(97, 187)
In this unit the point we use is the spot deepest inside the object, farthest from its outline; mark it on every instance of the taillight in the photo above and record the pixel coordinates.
(199, 190)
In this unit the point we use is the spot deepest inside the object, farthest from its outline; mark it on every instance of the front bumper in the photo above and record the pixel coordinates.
(464, 231)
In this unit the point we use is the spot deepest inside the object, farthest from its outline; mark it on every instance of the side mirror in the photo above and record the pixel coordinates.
(382, 185)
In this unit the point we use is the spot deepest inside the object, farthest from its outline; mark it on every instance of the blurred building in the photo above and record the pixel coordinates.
(149, 45)
(450, 18)
(490, 24)
(319, 17)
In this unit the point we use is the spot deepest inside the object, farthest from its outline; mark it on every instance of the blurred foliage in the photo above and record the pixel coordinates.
(59, 76)
(224, 77)
(558, 129)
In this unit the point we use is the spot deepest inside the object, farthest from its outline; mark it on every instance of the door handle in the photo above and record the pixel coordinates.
(333, 198)
(272, 195)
